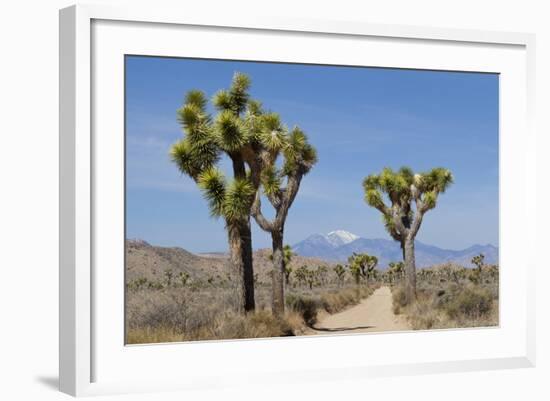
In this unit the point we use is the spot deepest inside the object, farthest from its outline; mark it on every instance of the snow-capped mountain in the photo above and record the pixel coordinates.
(340, 237)
(339, 245)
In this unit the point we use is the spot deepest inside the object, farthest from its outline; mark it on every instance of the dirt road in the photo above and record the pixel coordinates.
(372, 314)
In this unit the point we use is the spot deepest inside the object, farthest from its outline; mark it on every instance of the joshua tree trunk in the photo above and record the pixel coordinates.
(278, 274)
(410, 269)
(241, 245)
(240, 256)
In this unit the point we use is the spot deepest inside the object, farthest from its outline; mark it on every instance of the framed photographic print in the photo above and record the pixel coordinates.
(255, 192)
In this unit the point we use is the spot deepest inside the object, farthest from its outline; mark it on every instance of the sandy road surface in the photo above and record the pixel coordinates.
(372, 314)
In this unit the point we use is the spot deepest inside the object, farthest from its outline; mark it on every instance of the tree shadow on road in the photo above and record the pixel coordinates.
(336, 329)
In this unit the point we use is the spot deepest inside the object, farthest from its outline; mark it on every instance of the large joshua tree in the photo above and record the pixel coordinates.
(233, 131)
(410, 196)
(280, 186)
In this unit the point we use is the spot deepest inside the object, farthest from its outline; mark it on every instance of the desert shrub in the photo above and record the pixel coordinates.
(229, 325)
(336, 301)
(260, 324)
(306, 306)
(399, 299)
(423, 316)
(471, 302)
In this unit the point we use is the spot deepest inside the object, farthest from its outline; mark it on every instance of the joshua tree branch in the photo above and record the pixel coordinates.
(417, 222)
(397, 214)
(256, 212)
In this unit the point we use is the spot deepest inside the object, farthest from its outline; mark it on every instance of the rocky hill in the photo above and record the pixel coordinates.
(151, 262)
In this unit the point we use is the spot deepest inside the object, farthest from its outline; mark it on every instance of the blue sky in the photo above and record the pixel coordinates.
(359, 119)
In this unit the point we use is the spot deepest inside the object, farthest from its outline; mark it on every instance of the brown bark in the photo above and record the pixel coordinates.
(240, 257)
(410, 270)
(278, 274)
(240, 250)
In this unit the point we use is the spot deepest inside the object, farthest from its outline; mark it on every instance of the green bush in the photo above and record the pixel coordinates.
(471, 302)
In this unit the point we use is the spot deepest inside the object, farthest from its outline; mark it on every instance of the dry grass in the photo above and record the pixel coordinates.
(190, 314)
(455, 303)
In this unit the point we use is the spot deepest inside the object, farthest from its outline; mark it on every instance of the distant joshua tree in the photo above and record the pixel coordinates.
(340, 272)
(169, 275)
(395, 271)
(362, 265)
(477, 276)
(321, 274)
(403, 219)
(287, 258)
(311, 278)
(183, 278)
(301, 274)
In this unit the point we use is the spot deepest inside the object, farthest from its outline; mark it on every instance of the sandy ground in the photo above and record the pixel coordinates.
(371, 315)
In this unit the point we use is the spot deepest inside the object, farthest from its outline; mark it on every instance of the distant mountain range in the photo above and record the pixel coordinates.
(339, 245)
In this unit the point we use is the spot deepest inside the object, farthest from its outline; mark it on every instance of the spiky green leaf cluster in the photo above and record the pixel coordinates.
(239, 195)
(299, 154)
(234, 99)
(271, 181)
(197, 151)
(229, 132)
(212, 182)
(436, 180)
(401, 186)
(194, 158)
(272, 133)
(231, 200)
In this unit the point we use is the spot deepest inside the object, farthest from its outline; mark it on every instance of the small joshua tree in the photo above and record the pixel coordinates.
(301, 274)
(311, 278)
(362, 265)
(321, 274)
(169, 275)
(183, 278)
(395, 272)
(477, 276)
(355, 271)
(340, 273)
(410, 196)
(287, 258)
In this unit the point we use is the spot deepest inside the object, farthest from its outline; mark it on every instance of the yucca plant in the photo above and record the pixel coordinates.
(280, 186)
(362, 265)
(411, 196)
(340, 273)
(206, 139)
(395, 271)
(477, 274)
(302, 274)
(287, 257)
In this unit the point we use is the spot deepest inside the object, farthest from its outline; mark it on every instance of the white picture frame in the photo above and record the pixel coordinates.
(91, 40)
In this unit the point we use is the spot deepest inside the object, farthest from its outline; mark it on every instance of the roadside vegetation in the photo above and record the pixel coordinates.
(170, 310)
(451, 296)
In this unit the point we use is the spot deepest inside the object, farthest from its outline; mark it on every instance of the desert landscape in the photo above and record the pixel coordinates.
(174, 295)
(246, 194)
